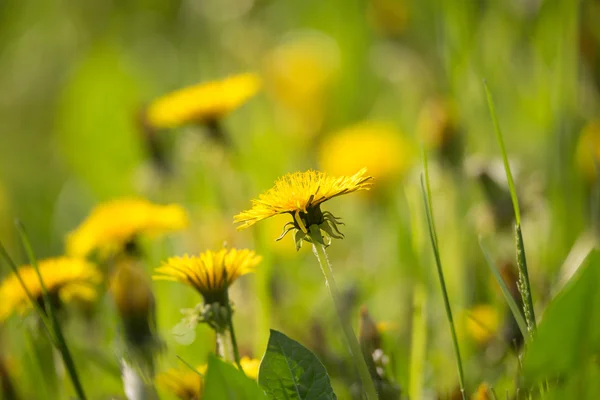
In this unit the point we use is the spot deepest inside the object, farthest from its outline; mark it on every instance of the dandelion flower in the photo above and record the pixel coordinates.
(65, 278)
(211, 273)
(204, 102)
(183, 384)
(250, 367)
(483, 322)
(379, 147)
(111, 226)
(301, 194)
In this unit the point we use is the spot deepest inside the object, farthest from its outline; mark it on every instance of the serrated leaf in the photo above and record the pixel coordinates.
(223, 381)
(569, 333)
(291, 371)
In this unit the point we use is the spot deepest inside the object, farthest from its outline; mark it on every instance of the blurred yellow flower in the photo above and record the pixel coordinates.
(65, 278)
(211, 273)
(379, 147)
(588, 150)
(112, 225)
(300, 194)
(250, 367)
(300, 71)
(482, 392)
(482, 323)
(185, 384)
(203, 102)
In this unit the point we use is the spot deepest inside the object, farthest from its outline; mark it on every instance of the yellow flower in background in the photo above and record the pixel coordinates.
(131, 291)
(112, 225)
(211, 273)
(203, 102)
(379, 147)
(65, 278)
(588, 150)
(483, 392)
(300, 71)
(482, 323)
(250, 367)
(184, 384)
(300, 194)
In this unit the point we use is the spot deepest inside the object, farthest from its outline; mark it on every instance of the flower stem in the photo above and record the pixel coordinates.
(355, 351)
(236, 352)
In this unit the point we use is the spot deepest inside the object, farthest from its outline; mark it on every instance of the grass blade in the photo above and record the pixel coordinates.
(61, 344)
(425, 189)
(523, 283)
(509, 176)
(512, 304)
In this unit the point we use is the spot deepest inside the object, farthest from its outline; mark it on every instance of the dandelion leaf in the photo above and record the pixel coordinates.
(223, 381)
(291, 371)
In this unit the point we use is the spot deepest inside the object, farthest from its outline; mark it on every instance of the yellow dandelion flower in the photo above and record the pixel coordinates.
(301, 194)
(379, 147)
(203, 102)
(482, 323)
(588, 150)
(65, 278)
(210, 273)
(184, 384)
(113, 225)
(250, 367)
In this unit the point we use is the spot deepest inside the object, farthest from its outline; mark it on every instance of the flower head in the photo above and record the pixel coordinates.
(301, 194)
(483, 323)
(184, 384)
(65, 278)
(380, 147)
(250, 367)
(211, 273)
(203, 102)
(111, 226)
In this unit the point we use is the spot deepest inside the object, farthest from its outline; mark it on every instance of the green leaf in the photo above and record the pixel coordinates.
(291, 371)
(223, 381)
(569, 333)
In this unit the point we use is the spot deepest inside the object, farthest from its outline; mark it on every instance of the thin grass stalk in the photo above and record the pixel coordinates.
(61, 343)
(440, 272)
(355, 350)
(418, 347)
(523, 284)
(232, 338)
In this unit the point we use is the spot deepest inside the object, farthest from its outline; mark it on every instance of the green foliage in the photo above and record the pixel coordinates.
(291, 371)
(226, 382)
(568, 338)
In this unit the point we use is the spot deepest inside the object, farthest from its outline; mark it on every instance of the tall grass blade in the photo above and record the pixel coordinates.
(512, 304)
(61, 344)
(523, 283)
(425, 189)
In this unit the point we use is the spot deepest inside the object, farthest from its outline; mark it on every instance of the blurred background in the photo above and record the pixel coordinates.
(345, 84)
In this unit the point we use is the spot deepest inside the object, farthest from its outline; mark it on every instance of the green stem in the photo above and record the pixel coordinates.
(355, 351)
(61, 343)
(236, 352)
(440, 272)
